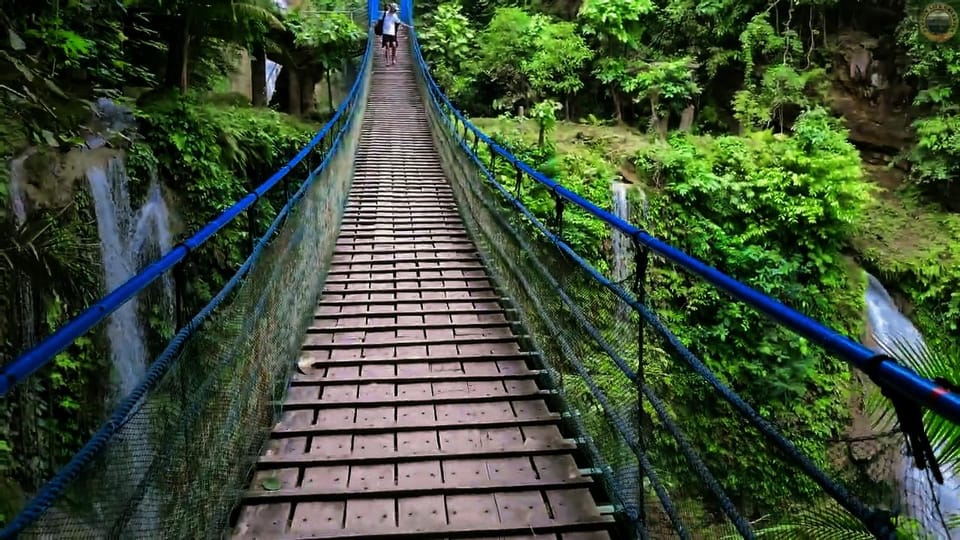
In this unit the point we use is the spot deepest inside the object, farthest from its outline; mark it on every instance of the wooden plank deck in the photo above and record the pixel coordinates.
(416, 414)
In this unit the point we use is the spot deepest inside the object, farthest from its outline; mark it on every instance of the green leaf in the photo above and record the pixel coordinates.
(16, 42)
(271, 484)
(49, 138)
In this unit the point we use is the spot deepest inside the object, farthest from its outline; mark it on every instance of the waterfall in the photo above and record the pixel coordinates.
(622, 248)
(18, 179)
(18, 202)
(125, 237)
(128, 241)
(923, 499)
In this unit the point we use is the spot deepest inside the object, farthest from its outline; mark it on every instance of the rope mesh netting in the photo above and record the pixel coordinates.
(587, 330)
(175, 457)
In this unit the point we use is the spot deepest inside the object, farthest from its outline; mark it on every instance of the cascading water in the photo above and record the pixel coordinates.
(18, 202)
(931, 504)
(621, 244)
(128, 241)
(18, 178)
(124, 237)
(622, 249)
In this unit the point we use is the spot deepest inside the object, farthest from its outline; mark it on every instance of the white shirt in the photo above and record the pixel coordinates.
(390, 22)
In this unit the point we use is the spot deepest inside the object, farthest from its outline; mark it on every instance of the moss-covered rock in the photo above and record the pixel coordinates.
(913, 247)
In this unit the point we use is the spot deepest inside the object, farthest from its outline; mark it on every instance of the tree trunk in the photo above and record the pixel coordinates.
(617, 107)
(329, 91)
(258, 67)
(659, 123)
(294, 92)
(686, 118)
(307, 95)
(178, 53)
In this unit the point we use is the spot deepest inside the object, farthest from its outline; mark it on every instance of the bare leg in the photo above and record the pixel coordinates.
(393, 47)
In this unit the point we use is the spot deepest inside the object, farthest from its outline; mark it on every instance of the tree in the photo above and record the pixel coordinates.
(325, 39)
(547, 57)
(616, 27)
(186, 23)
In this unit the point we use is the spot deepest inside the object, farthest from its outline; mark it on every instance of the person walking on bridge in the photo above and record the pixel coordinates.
(389, 22)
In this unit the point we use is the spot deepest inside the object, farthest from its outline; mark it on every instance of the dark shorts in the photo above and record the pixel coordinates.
(387, 40)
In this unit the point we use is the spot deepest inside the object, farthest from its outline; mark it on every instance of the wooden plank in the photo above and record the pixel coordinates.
(411, 424)
(336, 401)
(308, 380)
(412, 326)
(360, 344)
(487, 527)
(396, 290)
(408, 301)
(378, 483)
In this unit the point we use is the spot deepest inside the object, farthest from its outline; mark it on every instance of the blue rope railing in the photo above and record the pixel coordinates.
(35, 358)
(54, 488)
(885, 371)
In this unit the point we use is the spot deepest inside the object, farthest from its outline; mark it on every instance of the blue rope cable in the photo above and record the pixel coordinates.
(878, 522)
(192, 413)
(886, 372)
(579, 428)
(699, 466)
(880, 519)
(618, 424)
(38, 356)
(98, 442)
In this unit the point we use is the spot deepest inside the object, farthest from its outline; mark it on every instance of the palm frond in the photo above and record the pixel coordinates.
(51, 255)
(944, 435)
(827, 521)
(236, 11)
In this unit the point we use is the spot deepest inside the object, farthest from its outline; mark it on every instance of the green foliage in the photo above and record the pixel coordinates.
(448, 42)
(735, 203)
(331, 36)
(211, 157)
(584, 172)
(936, 66)
(668, 84)
(942, 362)
(545, 114)
(50, 265)
(782, 84)
(546, 56)
(615, 20)
(828, 521)
(56, 58)
(914, 246)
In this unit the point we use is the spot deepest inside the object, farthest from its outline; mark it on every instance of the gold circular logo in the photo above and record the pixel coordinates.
(939, 22)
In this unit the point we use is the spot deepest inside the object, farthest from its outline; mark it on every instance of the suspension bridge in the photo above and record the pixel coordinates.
(409, 351)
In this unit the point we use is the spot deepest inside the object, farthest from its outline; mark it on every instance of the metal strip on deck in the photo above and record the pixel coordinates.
(414, 412)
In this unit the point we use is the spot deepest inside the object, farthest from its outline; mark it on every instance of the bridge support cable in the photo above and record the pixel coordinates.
(533, 261)
(170, 461)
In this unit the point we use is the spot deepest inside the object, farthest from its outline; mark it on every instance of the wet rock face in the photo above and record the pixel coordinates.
(108, 119)
(46, 177)
(51, 177)
(870, 92)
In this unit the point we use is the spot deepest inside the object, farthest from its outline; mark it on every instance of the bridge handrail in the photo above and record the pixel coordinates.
(54, 488)
(884, 370)
(42, 353)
